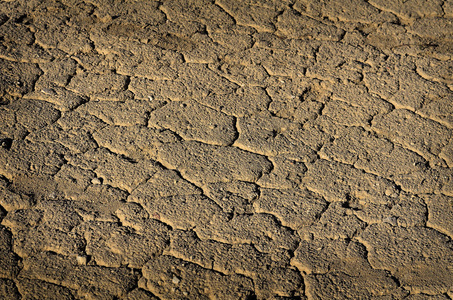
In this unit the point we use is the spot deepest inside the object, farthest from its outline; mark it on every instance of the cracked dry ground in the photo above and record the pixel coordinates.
(195, 149)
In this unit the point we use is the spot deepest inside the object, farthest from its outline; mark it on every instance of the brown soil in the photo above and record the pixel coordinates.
(200, 149)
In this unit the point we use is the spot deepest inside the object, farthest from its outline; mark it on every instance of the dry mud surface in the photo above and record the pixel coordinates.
(196, 149)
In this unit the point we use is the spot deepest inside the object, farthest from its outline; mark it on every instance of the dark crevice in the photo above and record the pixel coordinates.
(251, 296)
(236, 135)
(3, 19)
(6, 143)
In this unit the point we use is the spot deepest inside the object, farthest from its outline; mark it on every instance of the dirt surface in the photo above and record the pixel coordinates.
(196, 149)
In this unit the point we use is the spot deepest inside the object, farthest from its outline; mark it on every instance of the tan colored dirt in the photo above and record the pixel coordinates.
(226, 149)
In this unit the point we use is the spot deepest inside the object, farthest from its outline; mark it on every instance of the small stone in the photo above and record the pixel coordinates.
(175, 280)
(150, 98)
(49, 92)
(82, 260)
(96, 181)
(391, 193)
(392, 220)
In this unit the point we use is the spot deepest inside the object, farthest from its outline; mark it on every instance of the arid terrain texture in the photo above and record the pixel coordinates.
(200, 149)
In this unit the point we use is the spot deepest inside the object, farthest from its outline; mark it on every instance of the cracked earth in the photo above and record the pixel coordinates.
(197, 149)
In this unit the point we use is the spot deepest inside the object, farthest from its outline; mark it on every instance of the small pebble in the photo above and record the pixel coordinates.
(48, 92)
(82, 260)
(150, 98)
(175, 280)
(96, 181)
(391, 193)
(392, 220)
